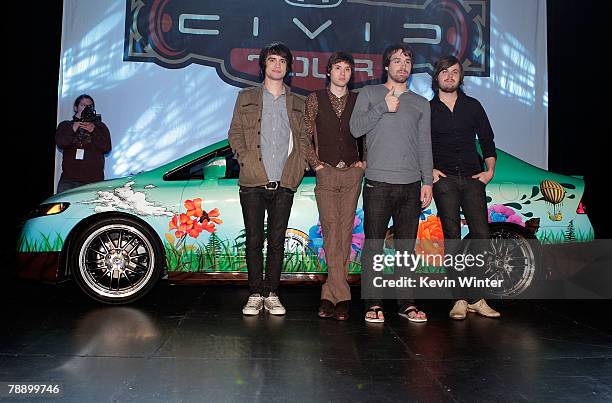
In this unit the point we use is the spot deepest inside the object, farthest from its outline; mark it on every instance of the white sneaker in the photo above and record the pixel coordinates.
(254, 305)
(273, 305)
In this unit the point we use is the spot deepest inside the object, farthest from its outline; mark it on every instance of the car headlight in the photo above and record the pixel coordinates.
(48, 209)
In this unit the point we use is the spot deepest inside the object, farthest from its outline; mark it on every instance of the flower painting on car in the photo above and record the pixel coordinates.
(430, 238)
(501, 213)
(182, 255)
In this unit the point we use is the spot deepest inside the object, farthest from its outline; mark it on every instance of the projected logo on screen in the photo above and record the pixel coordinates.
(228, 35)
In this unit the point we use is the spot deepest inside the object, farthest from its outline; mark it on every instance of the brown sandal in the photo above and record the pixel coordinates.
(326, 309)
(342, 310)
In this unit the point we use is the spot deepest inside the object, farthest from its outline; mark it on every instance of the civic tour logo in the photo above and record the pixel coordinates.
(228, 35)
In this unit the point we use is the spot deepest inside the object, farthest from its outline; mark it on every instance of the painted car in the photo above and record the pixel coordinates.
(183, 221)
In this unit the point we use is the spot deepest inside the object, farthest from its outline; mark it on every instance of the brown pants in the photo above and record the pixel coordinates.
(337, 192)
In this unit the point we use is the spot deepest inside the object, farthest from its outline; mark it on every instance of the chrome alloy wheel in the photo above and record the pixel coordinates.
(116, 261)
(510, 257)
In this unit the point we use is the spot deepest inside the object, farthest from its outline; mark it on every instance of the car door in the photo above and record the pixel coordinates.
(207, 231)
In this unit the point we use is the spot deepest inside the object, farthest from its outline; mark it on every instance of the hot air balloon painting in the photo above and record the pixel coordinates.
(553, 194)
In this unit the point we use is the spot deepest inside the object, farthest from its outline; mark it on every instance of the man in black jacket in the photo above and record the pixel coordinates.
(459, 177)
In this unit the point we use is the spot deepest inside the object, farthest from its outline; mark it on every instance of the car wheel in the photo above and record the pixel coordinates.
(116, 260)
(512, 255)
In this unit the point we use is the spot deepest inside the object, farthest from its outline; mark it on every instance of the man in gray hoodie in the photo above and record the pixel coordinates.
(399, 169)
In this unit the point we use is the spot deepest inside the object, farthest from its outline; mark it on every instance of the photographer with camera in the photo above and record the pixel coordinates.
(84, 141)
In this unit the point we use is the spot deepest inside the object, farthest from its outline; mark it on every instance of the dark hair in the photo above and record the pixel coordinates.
(80, 98)
(406, 50)
(389, 51)
(444, 63)
(275, 48)
(338, 57)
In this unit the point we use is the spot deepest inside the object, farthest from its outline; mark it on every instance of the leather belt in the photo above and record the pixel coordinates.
(270, 185)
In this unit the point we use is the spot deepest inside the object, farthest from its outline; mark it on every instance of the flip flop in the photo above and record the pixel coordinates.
(376, 310)
(406, 314)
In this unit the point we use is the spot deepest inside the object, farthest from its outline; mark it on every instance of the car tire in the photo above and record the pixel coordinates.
(518, 264)
(116, 260)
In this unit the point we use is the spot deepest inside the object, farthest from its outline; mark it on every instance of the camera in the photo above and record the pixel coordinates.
(89, 115)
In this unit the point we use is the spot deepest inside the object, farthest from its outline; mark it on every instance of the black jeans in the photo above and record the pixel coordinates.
(453, 194)
(255, 201)
(381, 202)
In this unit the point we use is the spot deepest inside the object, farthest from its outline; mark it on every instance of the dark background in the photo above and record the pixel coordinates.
(576, 110)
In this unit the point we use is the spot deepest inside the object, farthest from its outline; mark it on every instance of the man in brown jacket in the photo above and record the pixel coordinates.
(268, 139)
(339, 168)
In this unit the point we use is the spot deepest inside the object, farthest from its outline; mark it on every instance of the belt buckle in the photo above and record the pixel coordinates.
(341, 164)
(269, 187)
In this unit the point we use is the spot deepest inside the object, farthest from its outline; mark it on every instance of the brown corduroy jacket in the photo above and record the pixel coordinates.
(245, 139)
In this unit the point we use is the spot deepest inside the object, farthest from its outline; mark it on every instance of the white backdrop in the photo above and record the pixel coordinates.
(156, 115)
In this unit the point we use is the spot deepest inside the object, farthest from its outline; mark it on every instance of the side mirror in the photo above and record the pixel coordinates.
(215, 168)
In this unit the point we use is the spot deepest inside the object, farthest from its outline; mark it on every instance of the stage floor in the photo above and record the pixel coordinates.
(191, 343)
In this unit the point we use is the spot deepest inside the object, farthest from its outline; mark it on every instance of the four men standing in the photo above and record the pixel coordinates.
(275, 135)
